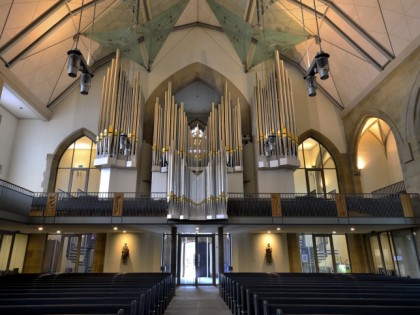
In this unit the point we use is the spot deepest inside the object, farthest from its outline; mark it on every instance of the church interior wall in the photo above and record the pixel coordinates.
(381, 164)
(35, 138)
(8, 127)
(389, 101)
(185, 48)
(249, 252)
(145, 251)
(19, 250)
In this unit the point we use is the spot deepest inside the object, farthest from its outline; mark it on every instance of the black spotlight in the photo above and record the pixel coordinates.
(85, 80)
(74, 60)
(311, 85)
(322, 65)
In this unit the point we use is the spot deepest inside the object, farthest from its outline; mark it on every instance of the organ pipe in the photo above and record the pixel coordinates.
(276, 131)
(119, 118)
(187, 153)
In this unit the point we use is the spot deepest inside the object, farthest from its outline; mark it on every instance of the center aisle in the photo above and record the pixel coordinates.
(191, 300)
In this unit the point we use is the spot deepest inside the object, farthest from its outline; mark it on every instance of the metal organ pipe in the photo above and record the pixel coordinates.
(275, 119)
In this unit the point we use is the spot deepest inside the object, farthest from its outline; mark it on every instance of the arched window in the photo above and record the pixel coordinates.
(317, 173)
(76, 171)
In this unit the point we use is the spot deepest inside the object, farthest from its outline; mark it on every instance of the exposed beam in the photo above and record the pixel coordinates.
(339, 31)
(19, 36)
(47, 33)
(359, 29)
(24, 93)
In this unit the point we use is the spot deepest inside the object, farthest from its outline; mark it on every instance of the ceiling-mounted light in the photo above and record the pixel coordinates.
(322, 65)
(76, 62)
(85, 82)
(73, 62)
(311, 85)
(318, 65)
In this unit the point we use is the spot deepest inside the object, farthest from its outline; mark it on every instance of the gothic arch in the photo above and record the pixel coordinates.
(413, 113)
(339, 158)
(355, 137)
(185, 76)
(53, 160)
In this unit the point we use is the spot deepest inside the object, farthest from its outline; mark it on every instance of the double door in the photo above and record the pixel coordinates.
(196, 259)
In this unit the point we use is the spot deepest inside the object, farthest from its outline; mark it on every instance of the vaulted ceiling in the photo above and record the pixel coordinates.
(361, 36)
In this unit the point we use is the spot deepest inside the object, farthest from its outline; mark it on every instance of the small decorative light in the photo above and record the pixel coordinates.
(58, 232)
(278, 229)
(269, 232)
(124, 231)
(352, 229)
(40, 228)
(115, 228)
(334, 232)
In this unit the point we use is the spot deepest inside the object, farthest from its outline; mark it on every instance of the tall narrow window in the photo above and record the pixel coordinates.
(76, 172)
(317, 173)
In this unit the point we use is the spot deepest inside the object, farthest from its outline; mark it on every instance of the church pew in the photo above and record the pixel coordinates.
(307, 301)
(285, 309)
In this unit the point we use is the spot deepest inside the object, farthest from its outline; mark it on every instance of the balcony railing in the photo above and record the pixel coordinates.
(14, 199)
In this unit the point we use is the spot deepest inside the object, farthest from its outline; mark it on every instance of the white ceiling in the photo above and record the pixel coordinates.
(363, 38)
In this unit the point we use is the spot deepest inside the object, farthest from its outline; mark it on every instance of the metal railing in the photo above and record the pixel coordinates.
(15, 199)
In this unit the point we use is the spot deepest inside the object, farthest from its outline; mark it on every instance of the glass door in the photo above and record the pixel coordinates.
(196, 259)
(324, 254)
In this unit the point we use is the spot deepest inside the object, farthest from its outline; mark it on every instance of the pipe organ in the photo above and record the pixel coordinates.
(196, 162)
(275, 119)
(119, 119)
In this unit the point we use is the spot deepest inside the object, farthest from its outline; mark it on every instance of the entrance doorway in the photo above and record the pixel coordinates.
(196, 259)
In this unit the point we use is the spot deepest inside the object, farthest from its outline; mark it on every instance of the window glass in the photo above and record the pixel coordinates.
(317, 172)
(76, 171)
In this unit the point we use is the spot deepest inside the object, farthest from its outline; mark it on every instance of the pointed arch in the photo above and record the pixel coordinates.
(185, 76)
(340, 159)
(413, 113)
(362, 119)
(53, 160)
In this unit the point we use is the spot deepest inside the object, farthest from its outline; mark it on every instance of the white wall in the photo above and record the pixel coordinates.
(35, 138)
(185, 47)
(381, 164)
(8, 126)
(145, 252)
(248, 252)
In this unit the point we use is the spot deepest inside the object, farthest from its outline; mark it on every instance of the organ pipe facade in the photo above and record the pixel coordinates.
(275, 119)
(196, 162)
(119, 119)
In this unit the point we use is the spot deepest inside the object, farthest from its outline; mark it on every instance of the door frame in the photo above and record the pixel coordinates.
(213, 257)
(330, 237)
